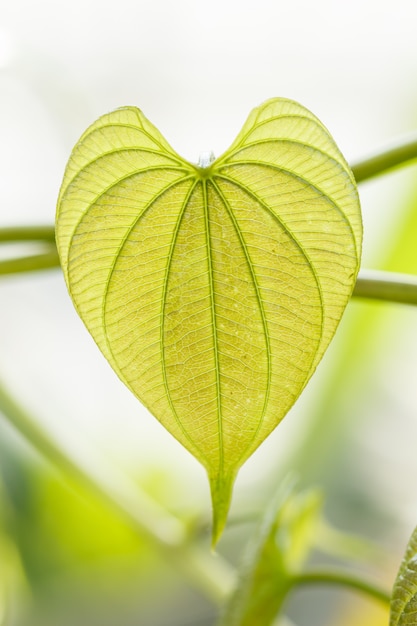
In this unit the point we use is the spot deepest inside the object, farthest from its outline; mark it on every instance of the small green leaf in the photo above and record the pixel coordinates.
(299, 523)
(404, 594)
(213, 290)
(277, 551)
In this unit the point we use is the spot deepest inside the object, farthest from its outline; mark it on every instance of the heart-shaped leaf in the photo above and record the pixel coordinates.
(214, 289)
(404, 595)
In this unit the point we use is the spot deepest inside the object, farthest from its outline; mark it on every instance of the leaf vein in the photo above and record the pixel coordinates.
(292, 236)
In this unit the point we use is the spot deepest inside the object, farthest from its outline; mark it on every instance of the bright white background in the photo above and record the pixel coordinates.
(196, 69)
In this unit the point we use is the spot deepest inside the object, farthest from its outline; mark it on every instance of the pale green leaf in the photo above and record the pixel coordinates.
(299, 521)
(404, 594)
(213, 291)
(278, 549)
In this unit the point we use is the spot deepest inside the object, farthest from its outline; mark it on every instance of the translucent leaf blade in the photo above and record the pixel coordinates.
(213, 292)
(288, 159)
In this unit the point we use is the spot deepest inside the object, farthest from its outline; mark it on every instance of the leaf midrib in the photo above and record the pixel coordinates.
(261, 309)
(214, 322)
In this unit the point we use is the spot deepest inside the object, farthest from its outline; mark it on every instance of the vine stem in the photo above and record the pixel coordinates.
(13, 234)
(373, 284)
(402, 154)
(387, 286)
(30, 263)
(208, 573)
(344, 579)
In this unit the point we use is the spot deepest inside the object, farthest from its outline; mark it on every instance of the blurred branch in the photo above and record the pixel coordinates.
(381, 162)
(27, 233)
(344, 579)
(348, 546)
(42, 261)
(210, 574)
(372, 284)
(46, 258)
(386, 286)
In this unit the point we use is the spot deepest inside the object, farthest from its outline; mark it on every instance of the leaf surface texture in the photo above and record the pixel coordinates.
(212, 291)
(404, 595)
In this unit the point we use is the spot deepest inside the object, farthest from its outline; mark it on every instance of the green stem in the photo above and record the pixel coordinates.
(42, 261)
(386, 286)
(372, 284)
(31, 262)
(211, 574)
(384, 161)
(401, 288)
(343, 579)
(376, 285)
(27, 233)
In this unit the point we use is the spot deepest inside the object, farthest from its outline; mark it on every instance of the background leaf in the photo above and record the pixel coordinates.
(404, 595)
(278, 548)
(212, 291)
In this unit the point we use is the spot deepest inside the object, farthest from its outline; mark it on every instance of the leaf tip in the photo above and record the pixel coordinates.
(221, 487)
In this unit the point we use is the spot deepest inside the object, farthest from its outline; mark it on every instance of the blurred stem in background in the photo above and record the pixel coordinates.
(208, 573)
(370, 284)
(402, 154)
(380, 286)
(44, 256)
(343, 579)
